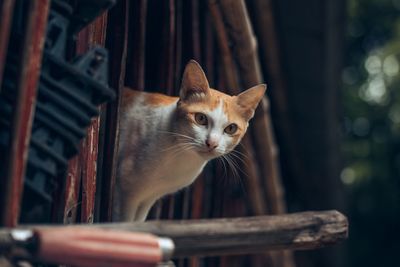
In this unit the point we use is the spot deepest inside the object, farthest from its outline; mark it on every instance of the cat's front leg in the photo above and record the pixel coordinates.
(143, 210)
(128, 210)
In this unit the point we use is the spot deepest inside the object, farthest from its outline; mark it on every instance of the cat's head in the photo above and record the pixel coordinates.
(213, 122)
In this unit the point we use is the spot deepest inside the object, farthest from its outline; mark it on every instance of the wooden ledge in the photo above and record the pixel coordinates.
(245, 235)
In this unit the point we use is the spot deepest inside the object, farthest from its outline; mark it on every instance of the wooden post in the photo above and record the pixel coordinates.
(21, 120)
(94, 34)
(6, 14)
(116, 42)
(231, 77)
(135, 63)
(245, 235)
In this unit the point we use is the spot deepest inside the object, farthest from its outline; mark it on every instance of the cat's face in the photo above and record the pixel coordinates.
(213, 122)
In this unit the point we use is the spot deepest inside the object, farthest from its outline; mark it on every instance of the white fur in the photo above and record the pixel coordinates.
(158, 168)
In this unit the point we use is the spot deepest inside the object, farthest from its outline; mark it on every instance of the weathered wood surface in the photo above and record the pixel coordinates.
(6, 14)
(116, 43)
(297, 231)
(244, 45)
(231, 78)
(21, 121)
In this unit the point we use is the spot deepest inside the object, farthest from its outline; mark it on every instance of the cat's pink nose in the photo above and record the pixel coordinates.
(211, 144)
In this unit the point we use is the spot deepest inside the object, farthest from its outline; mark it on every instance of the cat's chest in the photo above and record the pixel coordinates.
(181, 170)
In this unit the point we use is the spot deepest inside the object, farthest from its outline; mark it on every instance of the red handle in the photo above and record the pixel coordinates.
(97, 247)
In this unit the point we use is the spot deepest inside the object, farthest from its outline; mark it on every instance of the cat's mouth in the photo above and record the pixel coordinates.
(208, 153)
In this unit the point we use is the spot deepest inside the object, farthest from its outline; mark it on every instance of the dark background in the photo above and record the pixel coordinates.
(341, 60)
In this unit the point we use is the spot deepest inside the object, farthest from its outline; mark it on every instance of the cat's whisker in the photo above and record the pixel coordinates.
(240, 153)
(236, 169)
(235, 174)
(236, 164)
(225, 176)
(182, 147)
(237, 156)
(178, 135)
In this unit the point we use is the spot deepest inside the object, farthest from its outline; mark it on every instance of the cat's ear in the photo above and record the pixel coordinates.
(249, 99)
(194, 83)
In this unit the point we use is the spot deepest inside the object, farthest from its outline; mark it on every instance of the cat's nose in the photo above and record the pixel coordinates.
(211, 144)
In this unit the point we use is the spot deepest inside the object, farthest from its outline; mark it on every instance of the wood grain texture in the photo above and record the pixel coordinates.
(93, 34)
(231, 78)
(244, 45)
(296, 231)
(6, 14)
(116, 43)
(21, 121)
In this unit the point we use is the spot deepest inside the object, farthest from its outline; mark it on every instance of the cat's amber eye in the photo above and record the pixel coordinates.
(231, 128)
(201, 118)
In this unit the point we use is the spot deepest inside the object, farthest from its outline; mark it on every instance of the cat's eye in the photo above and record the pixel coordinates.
(231, 128)
(201, 118)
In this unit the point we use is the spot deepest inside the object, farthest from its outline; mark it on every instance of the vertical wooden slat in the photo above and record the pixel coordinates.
(72, 188)
(95, 35)
(82, 169)
(135, 65)
(230, 77)
(24, 108)
(6, 13)
(116, 42)
(245, 48)
(167, 64)
(169, 50)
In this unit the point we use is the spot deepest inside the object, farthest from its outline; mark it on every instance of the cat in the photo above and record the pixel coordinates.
(165, 141)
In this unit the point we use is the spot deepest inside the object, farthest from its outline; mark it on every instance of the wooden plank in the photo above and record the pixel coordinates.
(6, 14)
(94, 34)
(230, 76)
(244, 42)
(271, 58)
(135, 65)
(24, 108)
(82, 169)
(72, 188)
(116, 42)
(296, 231)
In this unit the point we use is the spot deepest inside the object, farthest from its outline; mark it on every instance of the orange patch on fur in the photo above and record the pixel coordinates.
(153, 99)
(128, 97)
(156, 99)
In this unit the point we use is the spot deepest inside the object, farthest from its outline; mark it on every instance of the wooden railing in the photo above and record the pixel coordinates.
(245, 235)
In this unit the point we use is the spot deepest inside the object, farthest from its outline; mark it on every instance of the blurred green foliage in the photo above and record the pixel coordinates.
(371, 123)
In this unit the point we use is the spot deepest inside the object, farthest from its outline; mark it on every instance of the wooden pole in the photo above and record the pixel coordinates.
(6, 14)
(244, 46)
(21, 121)
(231, 79)
(116, 43)
(270, 53)
(296, 231)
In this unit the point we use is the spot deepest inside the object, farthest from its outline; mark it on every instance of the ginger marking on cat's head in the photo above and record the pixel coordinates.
(222, 111)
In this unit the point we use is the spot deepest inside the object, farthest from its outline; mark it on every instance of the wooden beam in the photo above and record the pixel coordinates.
(6, 14)
(296, 231)
(116, 43)
(21, 120)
